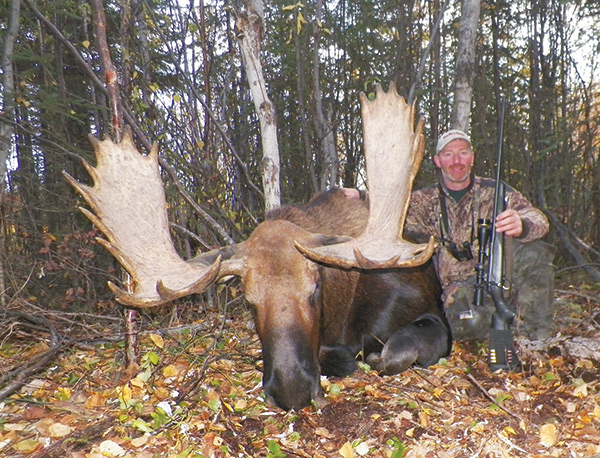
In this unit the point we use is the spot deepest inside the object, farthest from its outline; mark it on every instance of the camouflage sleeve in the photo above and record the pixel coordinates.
(422, 215)
(535, 223)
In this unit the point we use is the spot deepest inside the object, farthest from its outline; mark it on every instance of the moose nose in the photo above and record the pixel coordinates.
(291, 375)
(292, 392)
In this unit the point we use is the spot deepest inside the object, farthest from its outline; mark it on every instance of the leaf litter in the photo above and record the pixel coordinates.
(198, 394)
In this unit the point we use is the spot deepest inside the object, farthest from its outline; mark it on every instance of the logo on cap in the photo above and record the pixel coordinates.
(449, 136)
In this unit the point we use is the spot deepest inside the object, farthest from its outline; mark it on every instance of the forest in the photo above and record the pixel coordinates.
(181, 74)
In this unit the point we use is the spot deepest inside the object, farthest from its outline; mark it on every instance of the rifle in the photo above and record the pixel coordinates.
(502, 353)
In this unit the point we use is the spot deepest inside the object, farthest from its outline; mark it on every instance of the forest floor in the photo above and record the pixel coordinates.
(198, 394)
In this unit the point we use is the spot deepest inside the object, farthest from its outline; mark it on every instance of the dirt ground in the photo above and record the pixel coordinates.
(198, 394)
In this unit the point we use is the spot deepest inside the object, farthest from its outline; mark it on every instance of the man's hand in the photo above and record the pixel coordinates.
(510, 223)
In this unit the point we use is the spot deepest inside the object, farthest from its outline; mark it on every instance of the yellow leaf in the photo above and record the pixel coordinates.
(175, 370)
(424, 419)
(548, 434)
(126, 393)
(299, 22)
(64, 393)
(596, 412)
(158, 340)
(27, 446)
(86, 44)
(347, 451)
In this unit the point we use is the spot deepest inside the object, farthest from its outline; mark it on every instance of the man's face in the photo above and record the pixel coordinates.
(455, 161)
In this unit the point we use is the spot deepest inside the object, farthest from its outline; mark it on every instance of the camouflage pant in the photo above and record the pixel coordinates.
(532, 295)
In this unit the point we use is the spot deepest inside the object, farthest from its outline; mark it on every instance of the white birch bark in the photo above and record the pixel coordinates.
(249, 25)
(465, 65)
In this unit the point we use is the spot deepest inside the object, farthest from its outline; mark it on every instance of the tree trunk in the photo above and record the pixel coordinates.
(329, 167)
(6, 130)
(465, 65)
(302, 98)
(250, 26)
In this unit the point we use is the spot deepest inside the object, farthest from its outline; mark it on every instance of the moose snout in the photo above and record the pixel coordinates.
(291, 375)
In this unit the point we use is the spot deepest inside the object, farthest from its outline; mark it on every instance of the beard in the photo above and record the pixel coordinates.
(458, 176)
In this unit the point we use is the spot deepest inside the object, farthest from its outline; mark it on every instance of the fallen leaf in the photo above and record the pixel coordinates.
(323, 432)
(15, 426)
(27, 446)
(581, 391)
(111, 448)
(176, 370)
(140, 441)
(157, 340)
(35, 413)
(346, 451)
(57, 430)
(362, 449)
(95, 400)
(548, 434)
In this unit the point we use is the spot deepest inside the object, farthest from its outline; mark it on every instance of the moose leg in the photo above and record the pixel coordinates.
(422, 342)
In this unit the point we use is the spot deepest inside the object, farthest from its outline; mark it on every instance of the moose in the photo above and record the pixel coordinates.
(327, 281)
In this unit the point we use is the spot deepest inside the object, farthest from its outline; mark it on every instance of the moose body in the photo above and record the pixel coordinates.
(328, 281)
(313, 319)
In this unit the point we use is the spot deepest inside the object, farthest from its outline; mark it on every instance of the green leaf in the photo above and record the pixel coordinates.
(214, 405)
(274, 450)
(151, 357)
(141, 425)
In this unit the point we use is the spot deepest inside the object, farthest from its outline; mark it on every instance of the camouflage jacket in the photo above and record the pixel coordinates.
(424, 217)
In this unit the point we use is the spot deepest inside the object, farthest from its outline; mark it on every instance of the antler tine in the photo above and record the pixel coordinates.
(128, 205)
(394, 152)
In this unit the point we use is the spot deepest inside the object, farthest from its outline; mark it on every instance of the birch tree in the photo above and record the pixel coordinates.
(465, 65)
(250, 26)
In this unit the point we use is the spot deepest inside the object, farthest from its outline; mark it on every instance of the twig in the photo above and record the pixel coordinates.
(511, 445)
(491, 398)
(192, 386)
(578, 294)
(61, 449)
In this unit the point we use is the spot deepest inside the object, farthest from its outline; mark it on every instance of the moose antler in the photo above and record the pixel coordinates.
(393, 152)
(130, 209)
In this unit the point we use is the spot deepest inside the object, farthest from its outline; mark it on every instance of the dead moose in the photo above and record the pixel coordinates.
(328, 281)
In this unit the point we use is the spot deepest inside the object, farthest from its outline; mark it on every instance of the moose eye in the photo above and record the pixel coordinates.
(315, 297)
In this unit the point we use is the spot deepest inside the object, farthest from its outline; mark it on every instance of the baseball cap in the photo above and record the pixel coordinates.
(449, 136)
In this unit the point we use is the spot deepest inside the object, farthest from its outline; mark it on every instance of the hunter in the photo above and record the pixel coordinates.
(450, 210)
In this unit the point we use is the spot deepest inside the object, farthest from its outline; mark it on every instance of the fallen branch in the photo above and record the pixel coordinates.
(17, 378)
